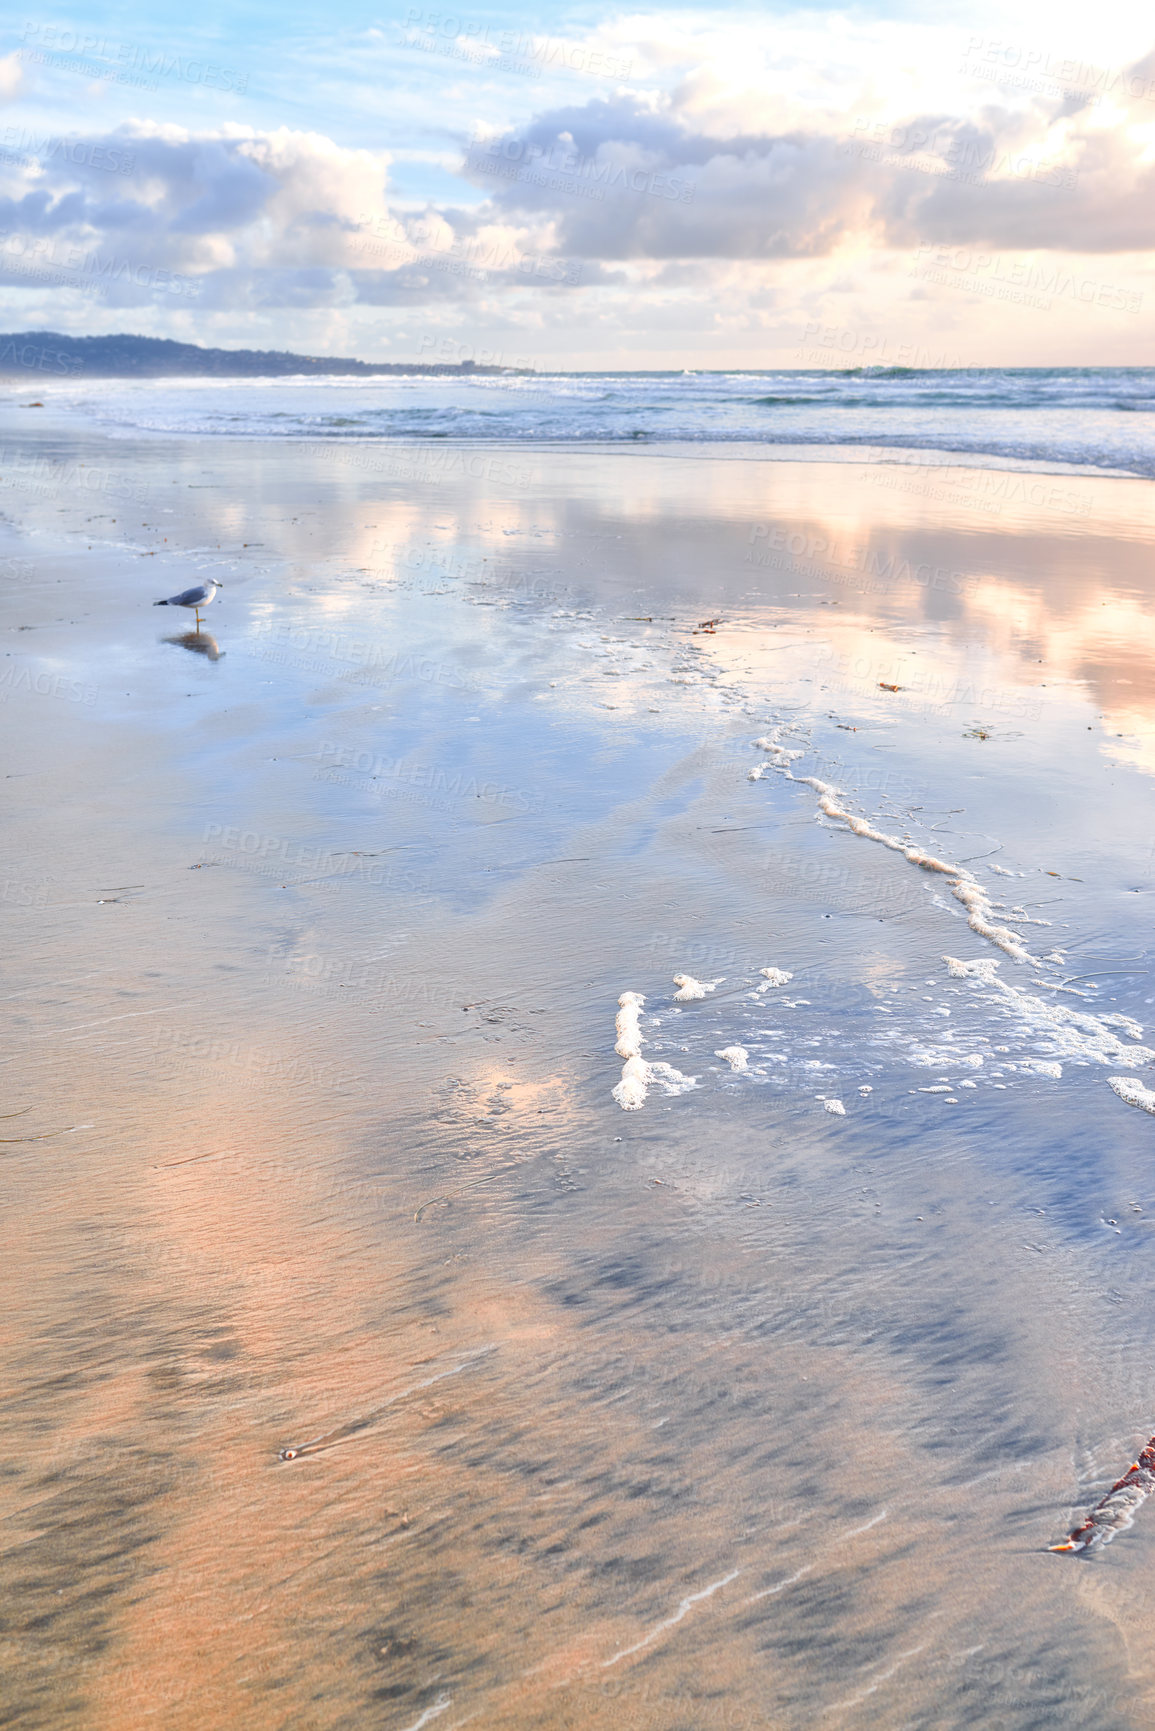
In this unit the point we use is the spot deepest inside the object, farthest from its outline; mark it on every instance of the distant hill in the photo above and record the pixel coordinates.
(129, 357)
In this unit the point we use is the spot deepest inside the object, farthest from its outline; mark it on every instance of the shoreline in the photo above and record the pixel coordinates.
(1090, 423)
(932, 459)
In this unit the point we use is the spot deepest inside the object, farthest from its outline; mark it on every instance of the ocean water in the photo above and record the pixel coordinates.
(379, 1352)
(1089, 419)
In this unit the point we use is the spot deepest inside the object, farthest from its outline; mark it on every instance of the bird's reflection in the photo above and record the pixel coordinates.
(199, 643)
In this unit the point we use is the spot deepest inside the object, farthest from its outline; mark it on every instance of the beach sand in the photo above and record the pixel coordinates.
(728, 1411)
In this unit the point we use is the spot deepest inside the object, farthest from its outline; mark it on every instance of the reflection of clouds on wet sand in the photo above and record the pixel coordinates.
(732, 1410)
(663, 1459)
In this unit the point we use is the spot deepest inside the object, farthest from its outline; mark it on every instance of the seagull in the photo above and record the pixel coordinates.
(196, 598)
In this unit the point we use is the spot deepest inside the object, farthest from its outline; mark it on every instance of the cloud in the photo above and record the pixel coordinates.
(637, 177)
(197, 201)
(11, 76)
(612, 190)
(249, 219)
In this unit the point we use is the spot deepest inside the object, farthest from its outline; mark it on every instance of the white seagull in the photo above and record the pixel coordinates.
(201, 596)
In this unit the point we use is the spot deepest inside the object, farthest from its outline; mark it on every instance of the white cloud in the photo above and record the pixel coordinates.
(638, 177)
(251, 218)
(749, 178)
(11, 76)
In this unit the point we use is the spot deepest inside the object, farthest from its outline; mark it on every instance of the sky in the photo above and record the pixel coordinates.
(588, 187)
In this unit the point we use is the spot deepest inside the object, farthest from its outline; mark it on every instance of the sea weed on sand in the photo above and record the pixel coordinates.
(1115, 1512)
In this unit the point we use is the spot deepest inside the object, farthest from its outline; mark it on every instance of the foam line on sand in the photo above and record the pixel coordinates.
(964, 887)
(637, 1075)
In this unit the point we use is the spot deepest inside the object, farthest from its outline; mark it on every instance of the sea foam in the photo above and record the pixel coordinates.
(735, 1056)
(774, 977)
(1074, 1033)
(689, 988)
(637, 1075)
(964, 886)
(1133, 1092)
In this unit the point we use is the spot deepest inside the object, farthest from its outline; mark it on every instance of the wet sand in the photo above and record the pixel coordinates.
(729, 1411)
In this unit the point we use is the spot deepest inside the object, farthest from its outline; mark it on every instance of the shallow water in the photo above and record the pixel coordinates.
(1082, 418)
(729, 1410)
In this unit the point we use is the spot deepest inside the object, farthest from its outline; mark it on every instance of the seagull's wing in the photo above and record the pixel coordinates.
(189, 597)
